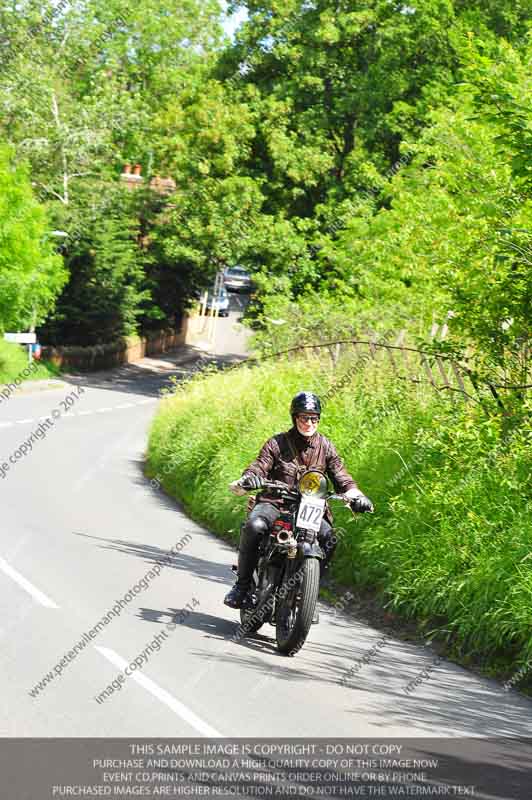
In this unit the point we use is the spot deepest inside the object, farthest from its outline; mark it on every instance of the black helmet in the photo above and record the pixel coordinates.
(305, 401)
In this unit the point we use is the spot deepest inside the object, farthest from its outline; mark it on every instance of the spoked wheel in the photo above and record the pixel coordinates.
(294, 614)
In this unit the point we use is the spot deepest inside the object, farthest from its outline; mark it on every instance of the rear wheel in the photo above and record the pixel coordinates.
(294, 616)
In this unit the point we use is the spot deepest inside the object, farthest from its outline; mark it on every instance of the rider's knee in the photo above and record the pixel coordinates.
(256, 528)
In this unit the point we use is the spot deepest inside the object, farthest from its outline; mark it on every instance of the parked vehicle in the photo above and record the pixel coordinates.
(221, 302)
(237, 279)
(286, 582)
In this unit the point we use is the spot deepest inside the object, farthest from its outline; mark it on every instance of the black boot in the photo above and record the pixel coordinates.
(236, 597)
(248, 557)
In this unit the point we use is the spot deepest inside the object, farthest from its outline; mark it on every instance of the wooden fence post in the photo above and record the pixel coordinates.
(427, 369)
(392, 359)
(399, 342)
(459, 380)
(442, 371)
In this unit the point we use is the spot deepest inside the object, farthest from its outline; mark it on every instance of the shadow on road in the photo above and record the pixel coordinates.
(339, 657)
(219, 628)
(206, 623)
(151, 376)
(339, 643)
(152, 555)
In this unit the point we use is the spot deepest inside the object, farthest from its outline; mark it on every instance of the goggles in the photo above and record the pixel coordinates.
(308, 418)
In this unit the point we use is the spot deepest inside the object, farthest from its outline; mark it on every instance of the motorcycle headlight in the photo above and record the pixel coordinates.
(313, 483)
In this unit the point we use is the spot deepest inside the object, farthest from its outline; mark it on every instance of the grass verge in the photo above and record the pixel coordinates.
(14, 365)
(450, 544)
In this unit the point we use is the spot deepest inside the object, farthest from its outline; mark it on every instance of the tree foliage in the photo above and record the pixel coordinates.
(107, 291)
(81, 84)
(457, 230)
(31, 275)
(373, 155)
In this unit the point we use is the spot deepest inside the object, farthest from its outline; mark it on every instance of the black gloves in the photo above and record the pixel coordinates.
(251, 481)
(361, 504)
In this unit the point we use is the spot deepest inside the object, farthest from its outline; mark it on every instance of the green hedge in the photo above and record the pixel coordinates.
(450, 544)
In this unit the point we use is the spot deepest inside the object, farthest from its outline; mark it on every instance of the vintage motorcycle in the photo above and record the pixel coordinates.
(286, 581)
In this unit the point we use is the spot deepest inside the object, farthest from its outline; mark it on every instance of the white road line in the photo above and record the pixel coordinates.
(73, 414)
(161, 694)
(25, 584)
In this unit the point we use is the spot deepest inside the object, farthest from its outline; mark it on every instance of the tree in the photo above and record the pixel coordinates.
(107, 291)
(335, 90)
(81, 84)
(31, 274)
(81, 81)
(456, 232)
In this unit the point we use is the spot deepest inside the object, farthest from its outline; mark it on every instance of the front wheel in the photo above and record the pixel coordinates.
(294, 616)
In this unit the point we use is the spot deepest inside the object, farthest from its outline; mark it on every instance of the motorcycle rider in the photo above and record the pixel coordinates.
(285, 457)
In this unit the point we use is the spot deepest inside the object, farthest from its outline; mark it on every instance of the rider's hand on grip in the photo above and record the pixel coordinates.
(252, 482)
(236, 488)
(361, 504)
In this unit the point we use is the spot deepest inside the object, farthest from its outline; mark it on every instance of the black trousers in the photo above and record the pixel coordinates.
(259, 522)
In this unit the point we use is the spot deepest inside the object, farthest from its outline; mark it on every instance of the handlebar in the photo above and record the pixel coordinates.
(280, 486)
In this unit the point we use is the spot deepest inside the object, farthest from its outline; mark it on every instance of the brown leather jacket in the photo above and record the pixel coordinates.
(276, 462)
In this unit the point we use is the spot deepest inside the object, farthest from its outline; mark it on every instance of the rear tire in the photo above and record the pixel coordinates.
(289, 642)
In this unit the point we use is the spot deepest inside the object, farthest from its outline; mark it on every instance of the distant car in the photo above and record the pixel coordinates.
(222, 302)
(237, 279)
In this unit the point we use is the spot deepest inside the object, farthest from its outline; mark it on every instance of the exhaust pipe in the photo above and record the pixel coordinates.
(286, 537)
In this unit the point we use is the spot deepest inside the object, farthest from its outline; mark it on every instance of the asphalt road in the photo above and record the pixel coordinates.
(229, 337)
(82, 527)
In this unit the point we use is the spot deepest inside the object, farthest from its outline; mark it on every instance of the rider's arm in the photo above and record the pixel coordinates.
(261, 466)
(340, 477)
(264, 462)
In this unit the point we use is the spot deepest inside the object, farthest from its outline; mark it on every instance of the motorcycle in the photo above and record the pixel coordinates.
(286, 581)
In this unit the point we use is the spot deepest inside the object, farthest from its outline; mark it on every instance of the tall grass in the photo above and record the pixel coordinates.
(450, 544)
(14, 359)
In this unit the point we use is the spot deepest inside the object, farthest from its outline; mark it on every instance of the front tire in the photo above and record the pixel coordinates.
(293, 623)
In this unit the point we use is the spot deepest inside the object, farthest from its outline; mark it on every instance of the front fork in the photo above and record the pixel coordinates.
(292, 578)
